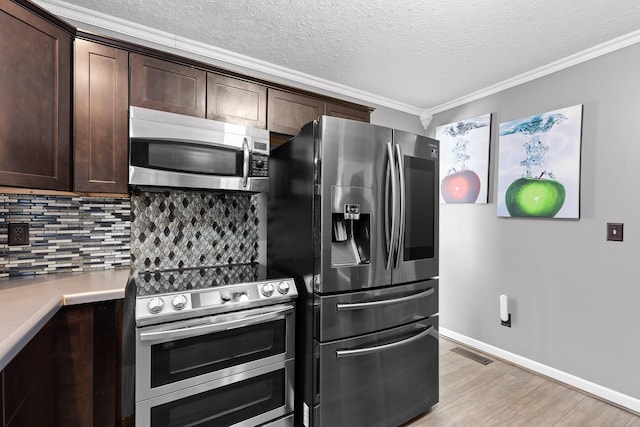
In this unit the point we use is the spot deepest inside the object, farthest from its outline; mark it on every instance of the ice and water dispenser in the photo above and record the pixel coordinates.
(351, 211)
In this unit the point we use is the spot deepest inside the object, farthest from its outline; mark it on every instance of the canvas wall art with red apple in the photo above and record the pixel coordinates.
(464, 160)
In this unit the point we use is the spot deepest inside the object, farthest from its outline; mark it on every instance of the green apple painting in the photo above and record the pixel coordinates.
(464, 160)
(539, 165)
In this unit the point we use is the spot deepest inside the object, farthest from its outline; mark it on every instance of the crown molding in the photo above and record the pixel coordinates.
(217, 55)
(578, 58)
(220, 57)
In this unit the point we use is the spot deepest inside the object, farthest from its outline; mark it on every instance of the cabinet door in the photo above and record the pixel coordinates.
(35, 85)
(288, 112)
(345, 112)
(100, 118)
(236, 101)
(29, 381)
(163, 85)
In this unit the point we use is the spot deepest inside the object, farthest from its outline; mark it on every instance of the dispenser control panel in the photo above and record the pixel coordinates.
(351, 211)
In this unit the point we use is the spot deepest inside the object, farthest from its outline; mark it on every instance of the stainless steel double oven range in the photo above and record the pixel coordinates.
(219, 351)
(353, 216)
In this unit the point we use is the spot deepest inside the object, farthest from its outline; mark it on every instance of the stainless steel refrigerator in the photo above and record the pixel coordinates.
(353, 216)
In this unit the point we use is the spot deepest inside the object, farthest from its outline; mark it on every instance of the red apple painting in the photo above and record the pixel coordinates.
(460, 187)
(539, 171)
(464, 160)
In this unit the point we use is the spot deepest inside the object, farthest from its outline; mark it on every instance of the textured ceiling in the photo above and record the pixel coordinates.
(422, 53)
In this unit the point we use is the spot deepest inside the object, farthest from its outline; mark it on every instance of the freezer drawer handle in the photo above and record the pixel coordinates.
(364, 305)
(218, 326)
(375, 349)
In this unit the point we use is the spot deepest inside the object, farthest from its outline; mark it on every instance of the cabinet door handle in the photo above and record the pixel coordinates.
(378, 348)
(371, 304)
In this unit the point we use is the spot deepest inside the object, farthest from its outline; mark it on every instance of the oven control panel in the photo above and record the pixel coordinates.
(276, 288)
(162, 304)
(211, 300)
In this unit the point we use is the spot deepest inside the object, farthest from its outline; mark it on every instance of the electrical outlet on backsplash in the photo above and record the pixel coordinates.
(182, 229)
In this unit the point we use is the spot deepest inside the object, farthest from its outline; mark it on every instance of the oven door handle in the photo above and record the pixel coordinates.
(218, 326)
(371, 304)
(377, 348)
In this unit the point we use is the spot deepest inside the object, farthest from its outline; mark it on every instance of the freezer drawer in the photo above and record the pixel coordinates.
(378, 380)
(358, 313)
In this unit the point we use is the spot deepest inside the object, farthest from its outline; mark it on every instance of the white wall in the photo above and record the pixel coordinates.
(575, 298)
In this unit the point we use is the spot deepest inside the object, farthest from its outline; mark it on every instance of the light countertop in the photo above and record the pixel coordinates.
(28, 303)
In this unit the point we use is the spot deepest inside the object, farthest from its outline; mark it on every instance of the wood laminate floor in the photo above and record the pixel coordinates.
(500, 394)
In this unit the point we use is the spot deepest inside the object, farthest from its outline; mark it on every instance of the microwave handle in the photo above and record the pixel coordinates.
(245, 162)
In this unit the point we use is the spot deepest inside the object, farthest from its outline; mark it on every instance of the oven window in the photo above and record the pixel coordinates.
(420, 202)
(185, 157)
(190, 357)
(226, 405)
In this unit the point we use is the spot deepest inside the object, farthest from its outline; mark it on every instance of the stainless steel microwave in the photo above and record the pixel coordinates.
(174, 150)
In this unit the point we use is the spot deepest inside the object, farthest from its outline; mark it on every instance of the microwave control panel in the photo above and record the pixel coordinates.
(259, 165)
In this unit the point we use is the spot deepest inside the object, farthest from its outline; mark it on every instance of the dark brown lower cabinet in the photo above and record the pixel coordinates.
(29, 382)
(68, 374)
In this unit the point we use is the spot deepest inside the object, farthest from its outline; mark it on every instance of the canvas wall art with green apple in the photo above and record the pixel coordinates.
(539, 165)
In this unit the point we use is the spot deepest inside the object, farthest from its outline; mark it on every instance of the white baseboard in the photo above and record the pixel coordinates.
(617, 398)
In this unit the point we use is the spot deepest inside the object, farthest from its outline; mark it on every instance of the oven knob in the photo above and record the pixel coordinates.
(267, 290)
(179, 302)
(155, 305)
(225, 296)
(260, 164)
(283, 288)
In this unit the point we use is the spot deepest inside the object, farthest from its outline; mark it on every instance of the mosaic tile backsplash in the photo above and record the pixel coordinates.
(65, 234)
(149, 283)
(177, 229)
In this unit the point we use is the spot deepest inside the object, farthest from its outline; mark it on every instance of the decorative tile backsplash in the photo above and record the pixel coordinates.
(150, 283)
(177, 229)
(148, 231)
(65, 234)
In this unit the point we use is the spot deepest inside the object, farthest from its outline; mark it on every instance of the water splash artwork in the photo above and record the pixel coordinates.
(540, 165)
(459, 131)
(464, 158)
(537, 124)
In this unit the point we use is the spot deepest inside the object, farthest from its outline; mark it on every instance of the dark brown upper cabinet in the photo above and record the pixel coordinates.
(167, 86)
(288, 112)
(100, 118)
(337, 110)
(35, 110)
(236, 101)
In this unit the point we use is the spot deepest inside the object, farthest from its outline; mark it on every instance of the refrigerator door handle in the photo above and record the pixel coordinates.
(370, 304)
(403, 202)
(378, 348)
(391, 236)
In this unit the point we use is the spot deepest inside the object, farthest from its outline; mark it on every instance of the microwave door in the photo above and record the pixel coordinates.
(416, 256)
